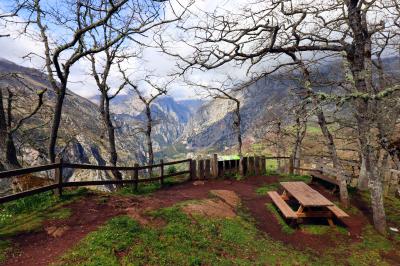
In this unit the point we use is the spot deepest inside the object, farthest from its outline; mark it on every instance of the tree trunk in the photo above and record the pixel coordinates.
(359, 57)
(105, 113)
(278, 145)
(148, 137)
(56, 122)
(362, 178)
(238, 123)
(300, 134)
(239, 137)
(8, 152)
(344, 195)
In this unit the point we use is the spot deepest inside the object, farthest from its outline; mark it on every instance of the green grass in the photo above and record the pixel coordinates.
(102, 246)
(392, 207)
(200, 240)
(27, 215)
(148, 188)
(182, 241)
(284, 226)
(316, 229)
(229, 157)
(5, 247)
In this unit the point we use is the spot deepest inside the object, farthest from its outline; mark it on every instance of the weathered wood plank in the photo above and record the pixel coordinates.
(282, 205)
(307, 196)
(337, 211)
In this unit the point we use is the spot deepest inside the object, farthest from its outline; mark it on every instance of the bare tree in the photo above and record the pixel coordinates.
(76, 19)
(9, 123)
(310, 95)
(112, 55)
(147, 102)
(342, 28)
(228, 91)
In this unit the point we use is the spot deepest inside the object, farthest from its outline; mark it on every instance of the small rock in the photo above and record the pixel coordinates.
(198, 183)
(393, 229)
(56, 231)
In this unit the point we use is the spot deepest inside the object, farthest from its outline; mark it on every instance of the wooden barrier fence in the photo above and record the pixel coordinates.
(59, 184)
(197, 169)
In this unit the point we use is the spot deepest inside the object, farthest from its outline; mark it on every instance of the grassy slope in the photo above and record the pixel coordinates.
(183, 241)
(28, 214)
(210, 241)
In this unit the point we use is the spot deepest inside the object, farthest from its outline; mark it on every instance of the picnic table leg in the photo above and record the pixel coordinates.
(300, 210)
(330, 222)
(285, 195)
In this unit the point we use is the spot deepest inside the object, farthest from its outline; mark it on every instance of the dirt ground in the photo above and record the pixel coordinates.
(40, 248)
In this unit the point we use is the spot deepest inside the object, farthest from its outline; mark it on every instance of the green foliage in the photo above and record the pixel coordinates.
(59, 214)
(316, 229)
(183, 241)
(5, 248)
(102, 246)
(171, 170)
(143, 189)
(27, 214)
(284, 226)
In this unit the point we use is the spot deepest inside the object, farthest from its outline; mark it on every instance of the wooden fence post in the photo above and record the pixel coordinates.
(221, 169)
(244, 165)
(291, 167)
(227, 169)
(241, 166)
(215, 166)
(194, 169)
(250, 165)
(257, 165)
(207, 173)
(59, 176)
(162, 173)
(201, 169)
(263, 165)
(136, 177)
(190, 169)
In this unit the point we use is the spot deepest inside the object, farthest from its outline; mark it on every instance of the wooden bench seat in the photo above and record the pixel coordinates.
(282, 205)
(339, 213)
(318, 175)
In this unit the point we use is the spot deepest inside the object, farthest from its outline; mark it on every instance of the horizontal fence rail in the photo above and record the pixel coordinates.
(198, 169)
(59, 184)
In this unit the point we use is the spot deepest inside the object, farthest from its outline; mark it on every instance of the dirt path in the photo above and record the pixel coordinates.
(89, 213)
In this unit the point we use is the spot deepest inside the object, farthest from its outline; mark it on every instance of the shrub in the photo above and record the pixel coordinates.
(171, 170)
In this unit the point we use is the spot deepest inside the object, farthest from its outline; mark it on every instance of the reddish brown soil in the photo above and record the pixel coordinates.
(88, 214)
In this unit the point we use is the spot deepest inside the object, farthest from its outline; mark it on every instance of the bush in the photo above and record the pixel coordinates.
(171, 170)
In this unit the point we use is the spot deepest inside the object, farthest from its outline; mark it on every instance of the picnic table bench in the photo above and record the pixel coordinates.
(319, 175)
(311, 203)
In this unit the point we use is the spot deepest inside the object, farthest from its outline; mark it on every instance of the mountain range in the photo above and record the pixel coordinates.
(181, 128)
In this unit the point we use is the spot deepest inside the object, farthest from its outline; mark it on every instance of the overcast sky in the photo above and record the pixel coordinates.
(17, 46)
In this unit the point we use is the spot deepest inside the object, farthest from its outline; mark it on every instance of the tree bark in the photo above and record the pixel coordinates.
(344, 195)
(300, 134)
(55, 126)
(359, 57)
(238, 124)
(362, 178)
(106, 116)
(148, 137)
(8, 153)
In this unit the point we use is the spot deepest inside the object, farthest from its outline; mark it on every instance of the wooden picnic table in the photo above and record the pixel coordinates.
(305, 195)
(311, 202)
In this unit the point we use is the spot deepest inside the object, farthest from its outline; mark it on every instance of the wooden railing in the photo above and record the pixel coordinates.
(198, 169)
(59, 184)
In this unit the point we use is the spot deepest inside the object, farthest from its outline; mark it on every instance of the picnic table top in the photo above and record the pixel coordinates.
(306, 196)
